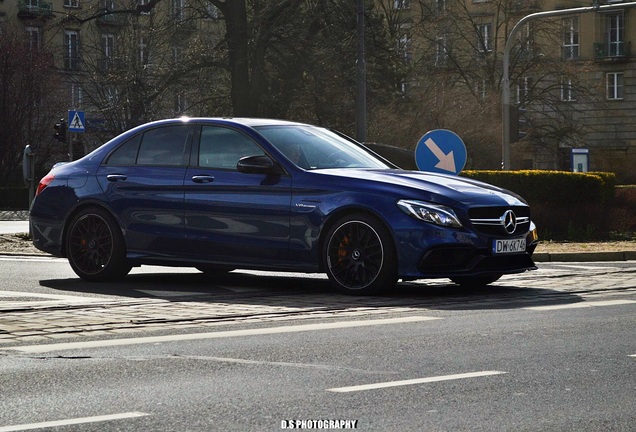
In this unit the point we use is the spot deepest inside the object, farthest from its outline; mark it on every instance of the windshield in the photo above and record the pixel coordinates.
(312, 147)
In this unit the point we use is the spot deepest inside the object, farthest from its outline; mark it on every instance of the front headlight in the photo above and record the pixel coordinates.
(433, 213)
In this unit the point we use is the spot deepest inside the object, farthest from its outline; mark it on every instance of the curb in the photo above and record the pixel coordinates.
(584, 256)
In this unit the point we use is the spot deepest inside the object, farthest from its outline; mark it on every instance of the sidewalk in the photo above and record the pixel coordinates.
(12, 222)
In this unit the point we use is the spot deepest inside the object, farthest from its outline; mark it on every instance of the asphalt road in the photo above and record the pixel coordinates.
(170, 350)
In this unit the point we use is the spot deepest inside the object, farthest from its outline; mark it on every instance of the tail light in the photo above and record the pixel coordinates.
(44, 183)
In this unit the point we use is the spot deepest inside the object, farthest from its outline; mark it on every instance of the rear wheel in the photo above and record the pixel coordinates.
(358, 255)
(95, 246)
(475, 281)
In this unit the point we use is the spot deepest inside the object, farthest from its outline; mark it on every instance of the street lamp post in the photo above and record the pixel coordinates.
(505, 92)
(361, 78)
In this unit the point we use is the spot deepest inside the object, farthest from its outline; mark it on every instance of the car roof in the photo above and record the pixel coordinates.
(251, 122)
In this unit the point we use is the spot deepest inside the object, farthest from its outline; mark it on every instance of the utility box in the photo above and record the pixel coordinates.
(580, 160)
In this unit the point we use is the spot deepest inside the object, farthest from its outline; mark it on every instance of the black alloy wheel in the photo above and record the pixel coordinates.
(95, 246)
(359, 255)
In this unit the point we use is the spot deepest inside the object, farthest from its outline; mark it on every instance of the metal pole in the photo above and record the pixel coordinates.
(505, 91)
(361, 78)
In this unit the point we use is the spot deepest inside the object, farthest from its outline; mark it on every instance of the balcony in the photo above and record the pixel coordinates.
(519, 6)
(34, 9)
(612, 51)
(110, 20)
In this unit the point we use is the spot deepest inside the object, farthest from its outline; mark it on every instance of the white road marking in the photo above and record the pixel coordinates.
(75, 421)
(413, 381)
(585, 304)
(217, 335)
(4, 293)
(585, 267)
(32, 258)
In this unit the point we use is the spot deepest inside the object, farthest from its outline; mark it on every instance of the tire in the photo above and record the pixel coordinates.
(95, 246)
(475, 281)
(358, 255)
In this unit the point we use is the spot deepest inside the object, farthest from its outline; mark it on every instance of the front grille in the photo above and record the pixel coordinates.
(492, 220)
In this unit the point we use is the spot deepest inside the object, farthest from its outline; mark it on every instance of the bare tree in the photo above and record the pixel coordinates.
(29, 103)
(454, 76)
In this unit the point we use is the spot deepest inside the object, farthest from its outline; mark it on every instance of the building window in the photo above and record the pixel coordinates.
(571, 38)
(179, 10)
(177, 55)
(614, 82)
(32, 4)
(567, 90)
(76, 95)
(180, 102)
(615, 35)
(404, 48)
(481, 89)
(71, 3)
(484, 44)
(71, 50)
(212, 12)
(441, 51)
(524, 90)
(401, 4)
(142, 4)
(143, 51)
(108, 45)
(34, 38)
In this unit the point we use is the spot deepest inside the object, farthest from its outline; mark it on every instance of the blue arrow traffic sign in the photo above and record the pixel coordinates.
(441, 151)
(76, 121)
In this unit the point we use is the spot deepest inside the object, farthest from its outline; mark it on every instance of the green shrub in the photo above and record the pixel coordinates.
(564, 205)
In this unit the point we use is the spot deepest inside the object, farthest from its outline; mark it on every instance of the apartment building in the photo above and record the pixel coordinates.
(122, 62)
(572, 76)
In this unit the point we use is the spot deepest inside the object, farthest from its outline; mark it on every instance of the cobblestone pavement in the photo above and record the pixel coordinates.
(33, 318)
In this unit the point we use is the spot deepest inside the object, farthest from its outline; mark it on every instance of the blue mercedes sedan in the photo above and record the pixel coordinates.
(220, 194)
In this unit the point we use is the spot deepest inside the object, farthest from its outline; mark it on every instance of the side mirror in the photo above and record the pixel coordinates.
(258, 165)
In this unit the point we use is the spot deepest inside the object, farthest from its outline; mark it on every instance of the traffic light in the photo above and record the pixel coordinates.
(60, 130)
(519, 123)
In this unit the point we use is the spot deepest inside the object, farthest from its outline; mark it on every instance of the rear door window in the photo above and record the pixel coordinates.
(162, 146)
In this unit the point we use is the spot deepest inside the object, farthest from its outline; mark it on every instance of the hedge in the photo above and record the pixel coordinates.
(564, 205)
(552, 186)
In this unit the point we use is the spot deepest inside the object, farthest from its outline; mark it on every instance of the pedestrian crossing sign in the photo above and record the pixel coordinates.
(76, 121)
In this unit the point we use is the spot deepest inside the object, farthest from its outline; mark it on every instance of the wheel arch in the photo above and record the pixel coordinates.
(345, 211)
(79, 208)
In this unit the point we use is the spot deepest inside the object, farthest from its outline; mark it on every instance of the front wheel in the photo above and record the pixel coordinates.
(358, 255)
(95, 246)
(475, 281)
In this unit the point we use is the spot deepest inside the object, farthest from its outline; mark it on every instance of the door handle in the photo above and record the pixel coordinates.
(202, 179)
(116, 177)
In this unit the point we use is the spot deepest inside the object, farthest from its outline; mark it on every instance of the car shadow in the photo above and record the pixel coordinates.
(312, 292)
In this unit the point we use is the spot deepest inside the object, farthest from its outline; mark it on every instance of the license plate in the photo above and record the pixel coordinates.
(509, 246)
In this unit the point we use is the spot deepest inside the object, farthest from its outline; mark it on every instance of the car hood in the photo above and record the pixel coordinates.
(440, 188)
